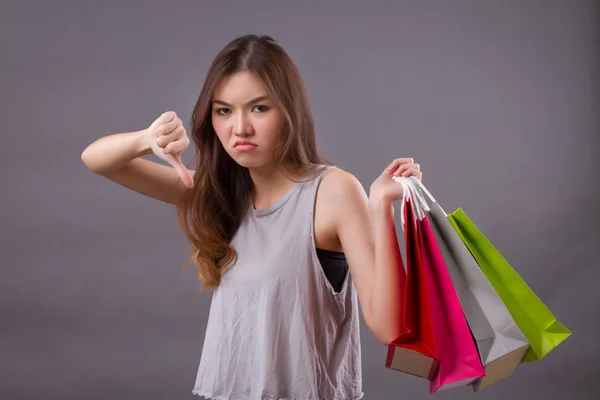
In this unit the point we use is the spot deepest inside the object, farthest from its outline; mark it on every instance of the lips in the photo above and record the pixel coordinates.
(243, 143)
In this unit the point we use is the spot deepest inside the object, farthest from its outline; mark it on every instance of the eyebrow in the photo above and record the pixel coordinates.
(253, 101)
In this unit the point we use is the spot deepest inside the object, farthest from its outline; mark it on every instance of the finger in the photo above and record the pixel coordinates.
(177, 146)
(168, 127)
(177, 134)
(168, 116)
(394, 165)
(413, 172)
(182, 171)
(405, 167)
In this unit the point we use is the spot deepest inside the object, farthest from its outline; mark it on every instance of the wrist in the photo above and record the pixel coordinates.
(380, 205)
(142, 142)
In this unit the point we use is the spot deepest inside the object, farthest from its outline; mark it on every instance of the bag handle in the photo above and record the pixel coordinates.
(418, 185)
(419, 204)
(422, 190)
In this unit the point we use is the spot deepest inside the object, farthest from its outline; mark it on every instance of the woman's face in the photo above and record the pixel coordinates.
(247, 120)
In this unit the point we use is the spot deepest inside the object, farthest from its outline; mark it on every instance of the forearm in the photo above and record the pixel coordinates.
(388, 279)
(115, 151)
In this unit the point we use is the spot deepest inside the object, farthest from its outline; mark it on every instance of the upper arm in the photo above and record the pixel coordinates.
(151, 179)
(355, 232)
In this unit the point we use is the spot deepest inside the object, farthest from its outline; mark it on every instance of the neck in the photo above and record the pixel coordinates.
(269, 186)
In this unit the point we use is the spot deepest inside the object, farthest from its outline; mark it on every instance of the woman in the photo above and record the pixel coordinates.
(272, 225)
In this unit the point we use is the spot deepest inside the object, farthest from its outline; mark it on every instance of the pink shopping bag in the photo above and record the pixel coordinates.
(460, 363)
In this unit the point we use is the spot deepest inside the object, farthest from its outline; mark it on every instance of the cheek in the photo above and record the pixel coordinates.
(219, 128)
(272, 129)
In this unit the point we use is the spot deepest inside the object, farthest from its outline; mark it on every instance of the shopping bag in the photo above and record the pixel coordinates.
(460, 364)
(500, 342)
(537, 322)
(414, 350)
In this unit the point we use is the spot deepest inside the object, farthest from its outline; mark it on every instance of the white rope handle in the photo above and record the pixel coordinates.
(418, 185)
(419, 205)
(422, 190)
(419, 195)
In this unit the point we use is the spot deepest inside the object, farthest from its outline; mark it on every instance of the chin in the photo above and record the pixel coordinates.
(253, 163)
(249, 162)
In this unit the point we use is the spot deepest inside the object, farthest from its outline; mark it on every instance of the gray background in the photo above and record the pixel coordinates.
(497, 100)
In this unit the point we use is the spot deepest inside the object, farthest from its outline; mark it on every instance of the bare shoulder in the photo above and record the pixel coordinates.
(340, 186)
(340, 194)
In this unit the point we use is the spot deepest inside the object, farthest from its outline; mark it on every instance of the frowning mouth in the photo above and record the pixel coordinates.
(244, 145)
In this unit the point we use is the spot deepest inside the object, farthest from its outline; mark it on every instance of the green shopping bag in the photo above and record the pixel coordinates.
(532, 316)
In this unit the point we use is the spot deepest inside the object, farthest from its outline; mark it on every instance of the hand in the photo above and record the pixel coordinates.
(168, 139)
(385, 189)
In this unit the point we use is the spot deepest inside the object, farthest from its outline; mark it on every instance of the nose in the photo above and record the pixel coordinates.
(241, 125)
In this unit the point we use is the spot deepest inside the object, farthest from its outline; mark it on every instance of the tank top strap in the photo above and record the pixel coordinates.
(303, 204)
(316, 181)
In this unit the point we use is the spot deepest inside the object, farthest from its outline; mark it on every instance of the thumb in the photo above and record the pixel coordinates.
(182, 171)
(388, 172)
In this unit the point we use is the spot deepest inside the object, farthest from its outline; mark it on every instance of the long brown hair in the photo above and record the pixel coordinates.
(211, 212)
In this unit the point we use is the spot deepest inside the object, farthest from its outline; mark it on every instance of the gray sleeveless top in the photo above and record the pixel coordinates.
(277, 330)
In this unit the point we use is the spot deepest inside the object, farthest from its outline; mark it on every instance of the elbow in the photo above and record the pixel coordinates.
(385, 338)
(384, 333)
(88, 161)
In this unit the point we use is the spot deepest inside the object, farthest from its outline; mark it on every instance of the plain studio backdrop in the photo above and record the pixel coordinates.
(497, 100)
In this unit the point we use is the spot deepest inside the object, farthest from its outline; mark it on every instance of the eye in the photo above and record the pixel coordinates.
(261, 108)
(222, 111)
